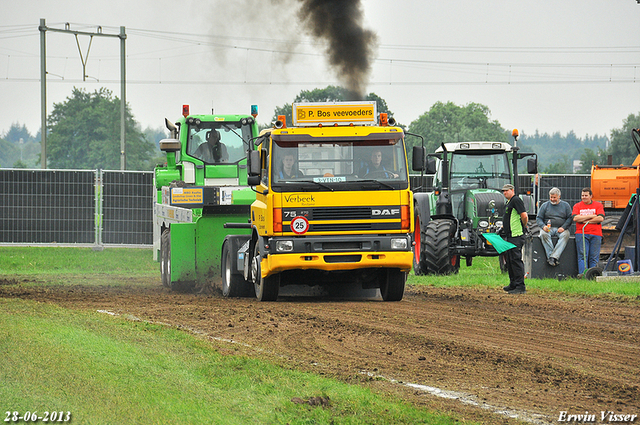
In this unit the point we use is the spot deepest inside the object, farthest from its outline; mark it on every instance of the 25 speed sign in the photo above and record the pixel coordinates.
(299, 225)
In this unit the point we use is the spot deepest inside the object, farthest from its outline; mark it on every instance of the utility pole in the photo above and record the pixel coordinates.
(43, 83)
(43, 95)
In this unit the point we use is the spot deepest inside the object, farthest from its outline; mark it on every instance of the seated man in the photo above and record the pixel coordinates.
(554, 218)
(375, 167)
(287, 170)
(212, 150)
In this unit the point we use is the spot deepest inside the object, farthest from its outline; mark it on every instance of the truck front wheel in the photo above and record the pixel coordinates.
(439, 255)
(266, 288)
(392, 288)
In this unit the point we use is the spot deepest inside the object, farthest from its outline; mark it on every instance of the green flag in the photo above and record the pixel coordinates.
(498, 243)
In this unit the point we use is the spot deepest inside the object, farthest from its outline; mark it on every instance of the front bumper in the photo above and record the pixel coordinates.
(337, 253)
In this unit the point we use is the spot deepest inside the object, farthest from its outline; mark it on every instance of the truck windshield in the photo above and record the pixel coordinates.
(486, 171)
(371, 164)
(218, 142)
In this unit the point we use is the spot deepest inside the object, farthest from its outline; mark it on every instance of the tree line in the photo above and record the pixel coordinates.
(84, 133)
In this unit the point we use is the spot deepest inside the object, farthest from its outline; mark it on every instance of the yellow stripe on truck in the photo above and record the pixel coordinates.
(304, 261)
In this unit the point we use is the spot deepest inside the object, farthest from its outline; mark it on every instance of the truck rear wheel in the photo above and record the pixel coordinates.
(165, 258)
(439, 255)
(266, 288)
(233, 283)
(392, 288)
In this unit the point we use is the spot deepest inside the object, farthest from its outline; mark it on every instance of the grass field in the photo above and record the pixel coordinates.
(105, 369)
(109, 370)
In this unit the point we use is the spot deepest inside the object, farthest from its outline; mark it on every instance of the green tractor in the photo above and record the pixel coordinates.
(202, 186)
(464, 203)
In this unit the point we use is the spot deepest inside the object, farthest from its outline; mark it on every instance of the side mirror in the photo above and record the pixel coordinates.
(253, 180)
(532, 166)
(255, 166)
(431, 166)
(418, 158)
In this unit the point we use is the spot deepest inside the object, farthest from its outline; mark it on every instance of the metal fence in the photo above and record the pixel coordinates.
(76, 207)
(115, 208)
(569, 184)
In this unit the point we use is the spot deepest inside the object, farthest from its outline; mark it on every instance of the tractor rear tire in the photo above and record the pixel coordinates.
(165, 266)
(533, 228)
(440, 257)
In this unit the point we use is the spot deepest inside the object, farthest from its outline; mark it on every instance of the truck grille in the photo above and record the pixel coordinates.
(347, 219)
(350, 213)
(341, 226)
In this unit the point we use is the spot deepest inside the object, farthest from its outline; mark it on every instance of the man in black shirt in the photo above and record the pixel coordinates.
(514, 223)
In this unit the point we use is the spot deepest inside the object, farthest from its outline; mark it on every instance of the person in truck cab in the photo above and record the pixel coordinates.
(212, 150)
(287, 169)
(374, 168)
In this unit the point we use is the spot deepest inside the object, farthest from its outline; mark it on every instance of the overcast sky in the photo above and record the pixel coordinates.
(546, 65)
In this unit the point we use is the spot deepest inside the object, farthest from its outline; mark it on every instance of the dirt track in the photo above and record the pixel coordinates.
(532, 355)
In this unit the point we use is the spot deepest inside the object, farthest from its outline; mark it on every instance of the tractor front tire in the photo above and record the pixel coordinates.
(440, 257)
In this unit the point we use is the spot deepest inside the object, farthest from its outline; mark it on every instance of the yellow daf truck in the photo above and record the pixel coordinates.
(333, 205)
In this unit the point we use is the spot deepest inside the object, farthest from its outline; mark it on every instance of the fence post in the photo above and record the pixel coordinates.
(98, 211)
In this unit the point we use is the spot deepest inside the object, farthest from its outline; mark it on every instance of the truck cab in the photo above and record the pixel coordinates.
(333, 203)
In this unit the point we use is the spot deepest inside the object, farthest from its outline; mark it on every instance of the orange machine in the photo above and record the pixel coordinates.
(613, 185)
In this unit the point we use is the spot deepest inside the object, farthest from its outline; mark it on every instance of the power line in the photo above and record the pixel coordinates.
(320, 83)
(470, 67)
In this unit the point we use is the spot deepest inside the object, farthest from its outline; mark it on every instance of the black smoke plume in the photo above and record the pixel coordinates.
(351, 47)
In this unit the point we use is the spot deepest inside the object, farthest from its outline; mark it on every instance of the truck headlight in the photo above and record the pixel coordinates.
(399, 243)
(483, 223)
(284, 246)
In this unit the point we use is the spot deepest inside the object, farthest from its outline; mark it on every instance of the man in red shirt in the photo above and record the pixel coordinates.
(588, 216)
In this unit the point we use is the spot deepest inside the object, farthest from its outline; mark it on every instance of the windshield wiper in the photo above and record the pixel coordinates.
(234, 132)
(310, 181)
(377, 181)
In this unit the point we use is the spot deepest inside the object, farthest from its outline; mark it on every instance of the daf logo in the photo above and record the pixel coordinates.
(385, 212)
